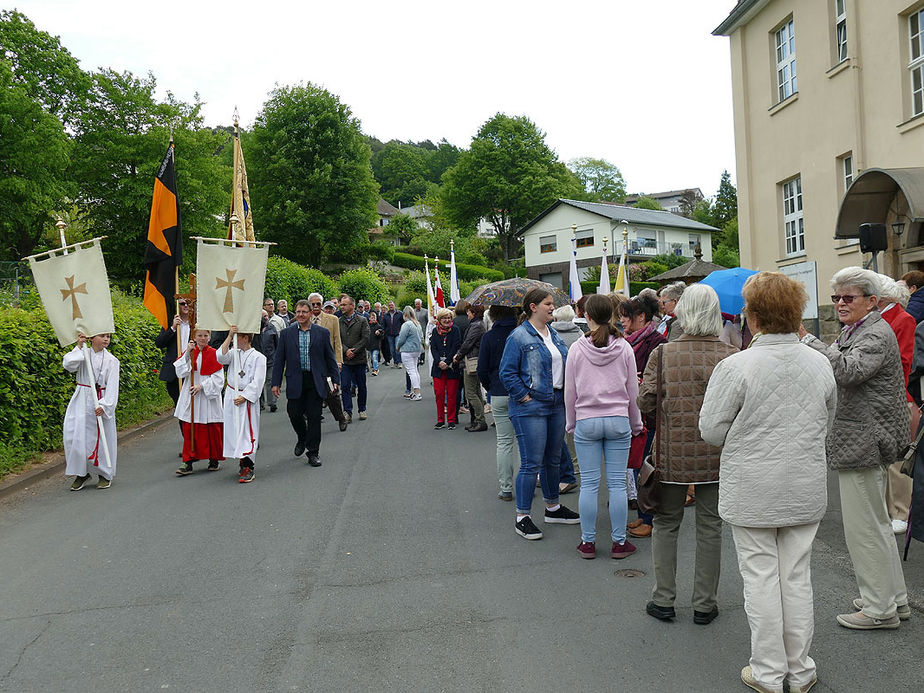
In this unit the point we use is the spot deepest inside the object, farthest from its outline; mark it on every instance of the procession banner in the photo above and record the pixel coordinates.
(164, 249)
(74, 287)
(240, 226)
(230, 282)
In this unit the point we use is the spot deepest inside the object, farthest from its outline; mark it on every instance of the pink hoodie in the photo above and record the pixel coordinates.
(601, 382)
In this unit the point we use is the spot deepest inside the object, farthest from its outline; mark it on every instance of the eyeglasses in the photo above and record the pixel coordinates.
(182, 303)
(315, 304)
(846, 298)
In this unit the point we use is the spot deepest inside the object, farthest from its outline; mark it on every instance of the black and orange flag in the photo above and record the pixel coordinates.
(164, 251)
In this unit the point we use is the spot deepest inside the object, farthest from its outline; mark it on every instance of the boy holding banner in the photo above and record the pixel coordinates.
(82, 441)
(199, 406)
(242, 431)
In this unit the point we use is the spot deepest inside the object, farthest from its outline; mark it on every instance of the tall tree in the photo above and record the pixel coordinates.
(311, 183)
(120, 141)
(402, 171)
(688, 201)
(508, 175)
(602, 181)
(645, 202)
(725, 207)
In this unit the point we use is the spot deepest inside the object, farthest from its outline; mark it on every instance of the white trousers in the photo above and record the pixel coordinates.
(775, 565)
(871, 542)
(409, 359)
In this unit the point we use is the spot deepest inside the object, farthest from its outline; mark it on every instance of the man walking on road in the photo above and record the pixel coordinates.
(354, 335)
(306, 358)
(391, 321)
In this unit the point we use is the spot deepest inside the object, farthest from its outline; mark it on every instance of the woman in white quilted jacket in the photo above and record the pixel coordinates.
(771, 407)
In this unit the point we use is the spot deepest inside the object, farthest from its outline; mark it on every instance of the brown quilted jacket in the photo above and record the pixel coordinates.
(683, 456)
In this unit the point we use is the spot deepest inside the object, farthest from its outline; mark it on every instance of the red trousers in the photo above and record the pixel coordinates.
(209, 442)
(446, 390)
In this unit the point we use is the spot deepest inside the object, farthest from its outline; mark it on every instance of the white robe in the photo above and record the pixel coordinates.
(208, 402)
(241, 441)
(82, 443)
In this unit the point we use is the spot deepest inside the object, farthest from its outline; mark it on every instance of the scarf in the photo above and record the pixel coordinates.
(849, 330)
(209, 361)
(443, 331)
(636, 338)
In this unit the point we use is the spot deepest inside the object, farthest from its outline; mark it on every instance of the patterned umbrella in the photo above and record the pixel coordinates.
(511, 292)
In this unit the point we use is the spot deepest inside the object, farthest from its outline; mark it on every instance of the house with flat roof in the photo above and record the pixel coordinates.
(547, 239)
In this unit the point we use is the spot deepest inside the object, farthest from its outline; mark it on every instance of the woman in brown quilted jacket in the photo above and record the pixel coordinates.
(681, 455)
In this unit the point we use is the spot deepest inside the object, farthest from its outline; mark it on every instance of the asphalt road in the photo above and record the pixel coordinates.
(391, 567)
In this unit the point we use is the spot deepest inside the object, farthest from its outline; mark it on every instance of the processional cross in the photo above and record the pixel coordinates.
(70, 293)
(229, 284)
(190, 297)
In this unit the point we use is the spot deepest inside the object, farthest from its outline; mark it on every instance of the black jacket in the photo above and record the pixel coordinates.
(444, 347)
(489, 357)
(167, 340)
(471, 342)
(288, 361)
(269, 340)
(391, 322)
(376, 332)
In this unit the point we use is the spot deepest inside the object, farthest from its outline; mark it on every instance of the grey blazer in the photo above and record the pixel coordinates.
(871, 425)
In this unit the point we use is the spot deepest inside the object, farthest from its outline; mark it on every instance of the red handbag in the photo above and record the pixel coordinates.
(637, 449)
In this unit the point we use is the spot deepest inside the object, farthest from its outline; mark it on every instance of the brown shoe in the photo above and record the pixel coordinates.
(635, 523)
(640, 532)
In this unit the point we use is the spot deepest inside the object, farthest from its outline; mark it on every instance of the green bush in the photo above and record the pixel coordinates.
(35, 389)
(416, 283)
(465, 272)
(365, 284)
(291, 281)
(381, 250)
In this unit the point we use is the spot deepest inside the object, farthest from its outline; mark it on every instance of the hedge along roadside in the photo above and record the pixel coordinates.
(291, 281)
(35, 389)
(468, 272)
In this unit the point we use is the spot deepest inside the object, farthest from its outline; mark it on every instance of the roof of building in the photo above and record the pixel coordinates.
(871, 197)
(385, 209)
(661, 195)
(417, 211)
(743, 12)
(695, 269)
(633, 215)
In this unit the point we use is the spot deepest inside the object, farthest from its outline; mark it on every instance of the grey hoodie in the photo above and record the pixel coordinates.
(568, 331)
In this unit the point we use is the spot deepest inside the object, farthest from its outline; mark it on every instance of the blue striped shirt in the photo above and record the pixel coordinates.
(304, 343)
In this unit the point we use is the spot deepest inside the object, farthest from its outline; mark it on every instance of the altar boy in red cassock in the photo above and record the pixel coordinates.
(204, 379)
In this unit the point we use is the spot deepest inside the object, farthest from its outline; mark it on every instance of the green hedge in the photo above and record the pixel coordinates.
(364, 283)
(35, 389)
(468, 272)
(634, 287)
(291, 281)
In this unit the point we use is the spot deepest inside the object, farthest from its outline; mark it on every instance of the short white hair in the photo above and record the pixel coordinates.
(673, 291)
(563, 314)
(320, 297)
(698, 311)
(865, 280)
(893, 291)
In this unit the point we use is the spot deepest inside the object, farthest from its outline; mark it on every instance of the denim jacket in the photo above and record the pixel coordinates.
(526, 366)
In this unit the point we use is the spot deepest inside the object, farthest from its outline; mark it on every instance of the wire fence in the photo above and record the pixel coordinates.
(15, 282)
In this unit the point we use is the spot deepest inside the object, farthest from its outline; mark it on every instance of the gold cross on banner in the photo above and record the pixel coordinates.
(229, 284)
(69, 293)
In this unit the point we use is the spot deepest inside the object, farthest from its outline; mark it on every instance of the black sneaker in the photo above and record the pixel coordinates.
(185, 469)
(314, 460)
(299, 449)
(562, 516)
(439, 425)
(245, 476)
(273, 408)
(214, 465)
(526, 529)
(79, 482)
(451, 426)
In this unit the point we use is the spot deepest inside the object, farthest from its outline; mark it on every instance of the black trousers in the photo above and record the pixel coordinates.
(305, 415)
(173, 389)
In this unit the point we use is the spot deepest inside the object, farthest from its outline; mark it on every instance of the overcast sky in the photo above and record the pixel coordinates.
(643, 85)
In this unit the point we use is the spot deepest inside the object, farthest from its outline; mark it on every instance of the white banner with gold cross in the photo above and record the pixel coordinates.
(230, 277)
(74, 287)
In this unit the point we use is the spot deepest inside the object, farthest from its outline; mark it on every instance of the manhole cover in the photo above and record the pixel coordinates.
(629, 573)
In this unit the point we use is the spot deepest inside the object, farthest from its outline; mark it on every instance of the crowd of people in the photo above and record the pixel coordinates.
(739, 416)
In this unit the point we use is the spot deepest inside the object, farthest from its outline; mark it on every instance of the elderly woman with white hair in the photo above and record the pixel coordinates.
(676, 374)
(870, 429)
(667, 301)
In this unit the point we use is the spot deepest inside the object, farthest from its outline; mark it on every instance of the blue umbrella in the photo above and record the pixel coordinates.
(728, 284)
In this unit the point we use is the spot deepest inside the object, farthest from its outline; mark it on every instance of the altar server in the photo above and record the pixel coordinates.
(200, 396)
(242, 431)
(83, 447)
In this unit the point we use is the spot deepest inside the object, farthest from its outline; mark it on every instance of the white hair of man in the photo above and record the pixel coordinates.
(563, 314)
(648, 291)
(698, 311)
(864, 280)
(673, 291)
(892, 291)
(316, 294)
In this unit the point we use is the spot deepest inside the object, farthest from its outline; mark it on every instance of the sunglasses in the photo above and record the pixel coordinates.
(315, 304)
(846, 298)
(182, 303)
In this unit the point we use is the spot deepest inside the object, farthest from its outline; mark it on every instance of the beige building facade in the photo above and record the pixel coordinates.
(828, 100)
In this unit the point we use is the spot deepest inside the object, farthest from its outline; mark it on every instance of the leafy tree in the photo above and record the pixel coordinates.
(602, 181)
(645, 202)
(441, 159)
(726, 256)
(402, 227)
(120, 140)
(702, 212)
(435, 243)
(725, 207)
(688, 200)
(509, 175)
(669, 260)
(311, 183)
(364, 283)
(34, 154)
(402, 172)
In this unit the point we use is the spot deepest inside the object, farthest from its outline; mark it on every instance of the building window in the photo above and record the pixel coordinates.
(840, 29)
(848, 172)
(792, 216)
(916, 65)
(585, 238)
(786, 61)
(548, 244)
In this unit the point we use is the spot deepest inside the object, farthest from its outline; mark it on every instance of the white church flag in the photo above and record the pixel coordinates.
(74, 287)
(230, 282)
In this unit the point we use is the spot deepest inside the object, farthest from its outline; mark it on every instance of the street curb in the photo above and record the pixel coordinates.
(45, 470)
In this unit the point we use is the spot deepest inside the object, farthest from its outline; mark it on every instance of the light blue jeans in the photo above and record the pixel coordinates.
(507, 455)
(374, 353)
(603, 440)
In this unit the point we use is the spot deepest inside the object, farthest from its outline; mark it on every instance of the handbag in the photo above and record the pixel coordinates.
(649, 478)
(637, 450)
(910, 452)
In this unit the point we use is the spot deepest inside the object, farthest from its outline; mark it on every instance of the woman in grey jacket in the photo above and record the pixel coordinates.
(770, 407)
(870, 430)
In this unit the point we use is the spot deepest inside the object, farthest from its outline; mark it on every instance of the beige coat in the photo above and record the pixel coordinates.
(332, 324)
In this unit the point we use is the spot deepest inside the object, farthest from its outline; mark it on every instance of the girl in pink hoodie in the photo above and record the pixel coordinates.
(601, 386)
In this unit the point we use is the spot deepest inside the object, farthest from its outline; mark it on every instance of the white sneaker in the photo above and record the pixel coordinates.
(416, 398)
(899, 526)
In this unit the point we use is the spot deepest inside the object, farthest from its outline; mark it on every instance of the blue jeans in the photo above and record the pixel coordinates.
(375, 359)
(566, 473)
(596, 439)
(540, 429)
(350, 376)
(392, 349)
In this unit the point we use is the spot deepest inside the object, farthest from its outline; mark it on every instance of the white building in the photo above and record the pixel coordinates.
(669, 199)
(547, 238)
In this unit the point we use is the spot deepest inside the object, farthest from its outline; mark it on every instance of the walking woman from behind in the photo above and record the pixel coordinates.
(467, 360)
(601, 387)
(444, 343)
(532, 370)
(682, 457)
(410, 345)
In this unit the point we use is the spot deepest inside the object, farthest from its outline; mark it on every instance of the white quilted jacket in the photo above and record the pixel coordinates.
(771, 407)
